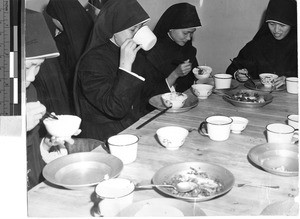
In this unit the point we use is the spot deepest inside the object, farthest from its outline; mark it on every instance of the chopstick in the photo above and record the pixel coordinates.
(51, 115)
(154, 117)
(247, 75)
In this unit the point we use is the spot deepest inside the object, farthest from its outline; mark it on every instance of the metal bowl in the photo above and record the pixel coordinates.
(81, 170)
(279, 159)
(267, 97)
(215, 172)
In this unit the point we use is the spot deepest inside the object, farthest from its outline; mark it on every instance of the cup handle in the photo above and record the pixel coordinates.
(296, 136)
(203, 129)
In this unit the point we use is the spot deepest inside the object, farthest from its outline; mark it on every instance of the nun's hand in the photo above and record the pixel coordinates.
(128, 53)
(240, 75)
(184, 68)
(34, 112)
(278, 82)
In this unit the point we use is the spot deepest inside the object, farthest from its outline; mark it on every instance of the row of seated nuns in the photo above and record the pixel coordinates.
(70, 24)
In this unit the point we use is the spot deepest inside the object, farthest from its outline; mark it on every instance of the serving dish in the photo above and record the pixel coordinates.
(162, 207)
(81, 170)
(187, 169)
(191, 102)
(234, 84)
(260, 87)
(231, 97)
(279, 159)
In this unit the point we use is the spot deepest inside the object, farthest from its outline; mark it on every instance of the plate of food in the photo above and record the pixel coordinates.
(162, 207)
(260, 87)
(234, 84)
(279, 159)
(190, 102)
(248, 98)
(82, 170)
(211, 180)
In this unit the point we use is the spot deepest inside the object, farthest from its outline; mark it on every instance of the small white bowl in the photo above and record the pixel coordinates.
(172, 137)
(202, 91)
(65, 126)
(202, 72)
(238, 124)
(174, 99)
(267, 79)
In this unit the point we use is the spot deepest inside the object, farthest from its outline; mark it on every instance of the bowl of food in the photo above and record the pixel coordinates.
(202, 72)
(172, 137)
(175, 100)
(64, 126)
(267, 79)
(212, 180)
(248, 98)
(202, 91)
(238, 124)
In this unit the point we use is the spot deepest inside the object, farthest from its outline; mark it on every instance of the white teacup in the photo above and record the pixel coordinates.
(145, 37)
(222, 81)
(116, 194)
(267, 79)
(292, 85)
(202, 91)
(217, 128)
(124, 146)
(280, 133)
(293, 120)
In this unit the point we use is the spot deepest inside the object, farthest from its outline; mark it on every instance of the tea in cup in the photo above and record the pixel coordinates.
(292, 85)
(293, 120)
(145, 37)
(217, 128)
(280, 133)
(124, 146)
(222, 81)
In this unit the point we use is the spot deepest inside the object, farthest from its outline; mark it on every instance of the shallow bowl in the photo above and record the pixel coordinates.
(172, 137)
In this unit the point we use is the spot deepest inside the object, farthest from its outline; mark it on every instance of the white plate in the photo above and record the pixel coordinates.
(162, 207)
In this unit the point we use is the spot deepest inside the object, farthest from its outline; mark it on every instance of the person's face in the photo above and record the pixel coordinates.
(182, 36)
(121, 36)
(279, 30)
(32, 69)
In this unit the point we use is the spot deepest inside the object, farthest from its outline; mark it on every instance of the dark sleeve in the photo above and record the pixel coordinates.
(245, 59)
(112, 93)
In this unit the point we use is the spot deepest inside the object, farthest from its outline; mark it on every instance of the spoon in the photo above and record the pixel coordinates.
(267, 186)
(180, 187)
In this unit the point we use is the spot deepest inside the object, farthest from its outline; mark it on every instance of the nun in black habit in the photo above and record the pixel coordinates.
(274, 48)
(107, 85)
(173, 56)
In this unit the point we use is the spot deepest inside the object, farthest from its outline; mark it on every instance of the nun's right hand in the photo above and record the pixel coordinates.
(241, 75)
(128, 53)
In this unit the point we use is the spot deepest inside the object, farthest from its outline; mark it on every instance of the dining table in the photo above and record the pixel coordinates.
(254, 188)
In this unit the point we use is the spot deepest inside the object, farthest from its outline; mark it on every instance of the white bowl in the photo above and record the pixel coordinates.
(202, 91)
(238, 124)
(174, 99)
(202, 72)
(267, 79)
(172, 137)
(65, 126)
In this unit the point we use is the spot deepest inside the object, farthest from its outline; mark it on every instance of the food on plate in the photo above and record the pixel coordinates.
(281, 168)
(206, 186)
(248, 97)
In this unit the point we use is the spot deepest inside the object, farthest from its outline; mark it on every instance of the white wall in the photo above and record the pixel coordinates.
(227, 25)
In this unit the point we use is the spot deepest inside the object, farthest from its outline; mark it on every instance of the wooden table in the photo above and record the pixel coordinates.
(48, 200)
